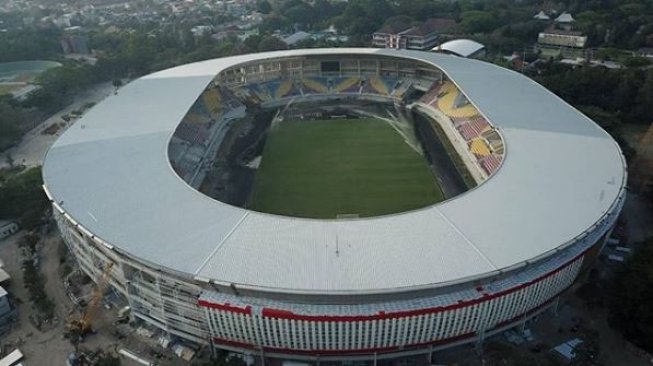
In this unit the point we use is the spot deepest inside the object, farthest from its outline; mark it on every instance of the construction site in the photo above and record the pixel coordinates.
(88, 324)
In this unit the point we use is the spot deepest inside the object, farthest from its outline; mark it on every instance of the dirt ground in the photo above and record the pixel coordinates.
(49, 347)
(40, 347)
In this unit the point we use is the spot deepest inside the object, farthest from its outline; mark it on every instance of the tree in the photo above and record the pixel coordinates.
(10, 119)
(625, 95)
(22, 198)
(325, 9)
(224, 359)
(645, 97)
(250, 44)
(362, 17)
(421, 9)
(30, 44)
(496, 353)
(274, 22)
(74, 336)
(399, 19)
(263, 6)
(271, 43)
(587, 353)
(636, 62)
(631, 298)
(301, 14)
(103, 358)
(117, 83)
(478, 21)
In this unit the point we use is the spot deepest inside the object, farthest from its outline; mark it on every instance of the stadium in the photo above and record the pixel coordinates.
(336, 204)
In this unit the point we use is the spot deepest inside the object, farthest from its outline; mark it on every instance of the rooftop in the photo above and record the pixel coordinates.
(563, 32)
(565, 18)
(395, 28)
(561, 175)
(432, 25)
(460, 47)
(428, 27)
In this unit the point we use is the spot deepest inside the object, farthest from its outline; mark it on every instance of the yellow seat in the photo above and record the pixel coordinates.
(347, 83)
(379, 85)
(283, 89)
(449, 93)
(213, 101)
(479, 147)
(315, 85)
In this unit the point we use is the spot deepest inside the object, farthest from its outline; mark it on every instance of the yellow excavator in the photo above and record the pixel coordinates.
(84, 324)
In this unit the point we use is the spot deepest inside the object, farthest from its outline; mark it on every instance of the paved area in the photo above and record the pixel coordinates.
(32, 148)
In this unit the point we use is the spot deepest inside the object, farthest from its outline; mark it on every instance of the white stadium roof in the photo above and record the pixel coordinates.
(561, 173)
(460, 47)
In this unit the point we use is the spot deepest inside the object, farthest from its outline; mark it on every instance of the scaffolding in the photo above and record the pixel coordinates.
(158, 298)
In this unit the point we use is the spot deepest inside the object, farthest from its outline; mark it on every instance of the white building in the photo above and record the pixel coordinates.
(562, 38)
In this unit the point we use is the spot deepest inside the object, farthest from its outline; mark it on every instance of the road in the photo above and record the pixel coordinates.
(32, 148)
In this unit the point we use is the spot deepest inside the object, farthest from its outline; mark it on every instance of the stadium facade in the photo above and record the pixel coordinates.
(406, 283)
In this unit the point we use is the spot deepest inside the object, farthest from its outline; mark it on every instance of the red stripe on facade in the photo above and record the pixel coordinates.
(227, 342)
(327, 352)
(226, 307)
(285, 314)
(274, 313)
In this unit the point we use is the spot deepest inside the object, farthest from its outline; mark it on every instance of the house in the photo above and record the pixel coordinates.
(541, 16)
(566, 349)
(390, 35)
(562, 38)
(296, 37)
(565, 18)
(8, 228)
(8, 312)
(645, 52)
(74, 44)
(421, 37)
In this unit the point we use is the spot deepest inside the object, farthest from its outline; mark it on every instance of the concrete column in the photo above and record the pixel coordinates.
(479, 341)
(556, 304)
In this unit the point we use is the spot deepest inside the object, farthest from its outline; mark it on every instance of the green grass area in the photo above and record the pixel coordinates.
(323, 169)
(8, 88)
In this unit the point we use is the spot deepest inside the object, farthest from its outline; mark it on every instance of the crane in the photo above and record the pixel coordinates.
(83, 325)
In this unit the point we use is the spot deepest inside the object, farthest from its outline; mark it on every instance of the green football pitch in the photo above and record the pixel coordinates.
(331, 168)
